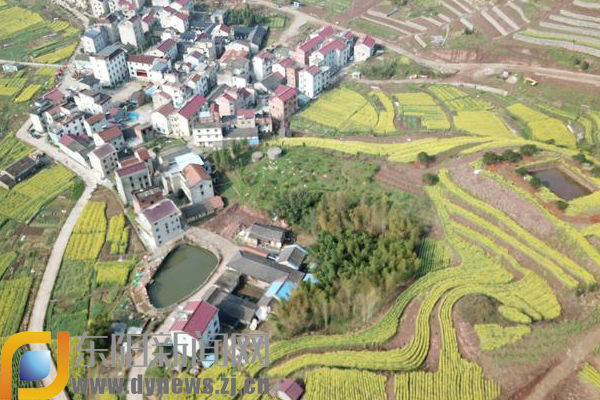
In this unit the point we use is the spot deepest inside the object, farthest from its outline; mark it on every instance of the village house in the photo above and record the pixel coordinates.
(199, 322)
(20, 170)
(112, 135)
(290, 70)
(92, 102)
(77, 148)
(94, 40)
(130, 179)
(167, 49)
(131, 32)
(104, 160)
(262, 65)
(266, 235)
(284, 103)
(183, 120)
(289, 389)
(110, 65)
(147, 68)
(364, 49)
(95, 124)
(160, 119)
(314, 80)
(261, 270)
(160, 223)
(144, 198)
(292, 256)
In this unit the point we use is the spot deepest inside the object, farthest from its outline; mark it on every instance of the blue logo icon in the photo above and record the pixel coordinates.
(34, 365)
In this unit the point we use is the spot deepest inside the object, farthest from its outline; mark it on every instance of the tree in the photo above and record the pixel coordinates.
(425, 159)
(430, 179)
(522, 171)
(511, 156)
(596, 171)
(294, 205)
(528, 149)
(490, 158)
(580, 158)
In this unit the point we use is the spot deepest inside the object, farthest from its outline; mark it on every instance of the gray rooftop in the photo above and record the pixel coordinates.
(262, 269)
(232, 309)
(295, 255)
(267, 232)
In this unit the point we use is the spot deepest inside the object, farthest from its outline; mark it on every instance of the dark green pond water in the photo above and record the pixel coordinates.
(182, 272)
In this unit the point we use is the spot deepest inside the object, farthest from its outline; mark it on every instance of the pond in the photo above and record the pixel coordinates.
(561, 184)
(182, 272)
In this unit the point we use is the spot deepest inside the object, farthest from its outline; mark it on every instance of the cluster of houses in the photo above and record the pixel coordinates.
(268, 265)
(202, 81)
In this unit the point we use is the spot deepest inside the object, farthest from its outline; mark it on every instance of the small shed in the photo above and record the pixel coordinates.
(289, 389)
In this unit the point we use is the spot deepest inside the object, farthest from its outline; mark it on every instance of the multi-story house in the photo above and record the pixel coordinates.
(304, 50)
(104, 160)
(182, 121)
(94, 40)
(364, 49)
(113, 136)
(110, 25)
(160, 119)
(167, 49)
(110, 65)
(262, 65)
(147, 68)
(131, 178)
(92, 102)
(196, 329)
(131, 32)
(160, 222)
(284, 103)
(335, 54)
(313, 80)
(99, 8)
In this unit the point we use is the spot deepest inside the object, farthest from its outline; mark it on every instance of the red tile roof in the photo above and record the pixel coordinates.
(132, 169)
(336, 44)
(313, 70)
(95, 118)
(314, 42)
(160, 210)
(288, 62)
(367, 41)
(141, 59)
(54, 95)
(110, 134)
(291, 389)
(217, 202)
(166, 110)
(127, 162)
(284, 93)
(166, 45)
(104, 150)
(327, 31)
(249, 113)
(265, 55)
(182, 16)
(192, 107)
(198, 321)
(142, 153)
(194, 174)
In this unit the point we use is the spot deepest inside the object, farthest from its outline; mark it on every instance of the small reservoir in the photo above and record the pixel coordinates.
(561, 184)
(182, 272)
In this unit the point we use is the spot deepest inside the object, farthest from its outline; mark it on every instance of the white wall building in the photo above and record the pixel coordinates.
(160, 222)
(313, 80)
(198, 322)
(131, 178)
(110, 65)
(131, 32)
(364, 49)
(94, 40)
(104, 160)
(92, 102)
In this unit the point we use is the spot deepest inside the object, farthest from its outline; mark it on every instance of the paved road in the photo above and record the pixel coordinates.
(30, 64)
(40, 307)
(227, 250)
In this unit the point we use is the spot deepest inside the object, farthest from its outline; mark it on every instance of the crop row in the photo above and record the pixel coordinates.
(386, 118)
(334, 384)
(14, 294)
(590, 374)
(92, 219)
(457, 100)
(113, 272)
(482, 123)
(84, 246)
(6, 260)
(494, 336)
(543, 128)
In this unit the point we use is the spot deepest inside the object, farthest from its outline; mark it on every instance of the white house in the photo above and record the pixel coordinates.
(92, 102)
(160, 222)
(208, 135)
(182, 121)
(104, 160)
(147, 68)
(262, 65)
(131, 31)
(131, 178)
(364, 49)
(167, 49)
(99, 8)
(160, 119)
(313, 80)
(94, 40)
(95, 124)
(110, 65)
(112, 135)
(335, 54)
(198, 322)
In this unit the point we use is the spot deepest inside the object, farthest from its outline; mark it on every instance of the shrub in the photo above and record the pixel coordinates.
(580, 158)
(430, 179)
(596, 171)
(511, 156)
(528, 149)
(522, 171)
(562, 205)
(536, 182)
(490, 158)
(425, 158)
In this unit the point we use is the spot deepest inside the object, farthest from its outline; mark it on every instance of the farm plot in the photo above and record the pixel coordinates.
(14, 294)
(482, 123)
(27, 35)
(113, 272)
(332, 384)
(590, 374)
(118, 235)
(28, 93)
(543, 128)
(421, 106)
(387, 116)
(457, 100)
(89, 234)
(24, 200)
